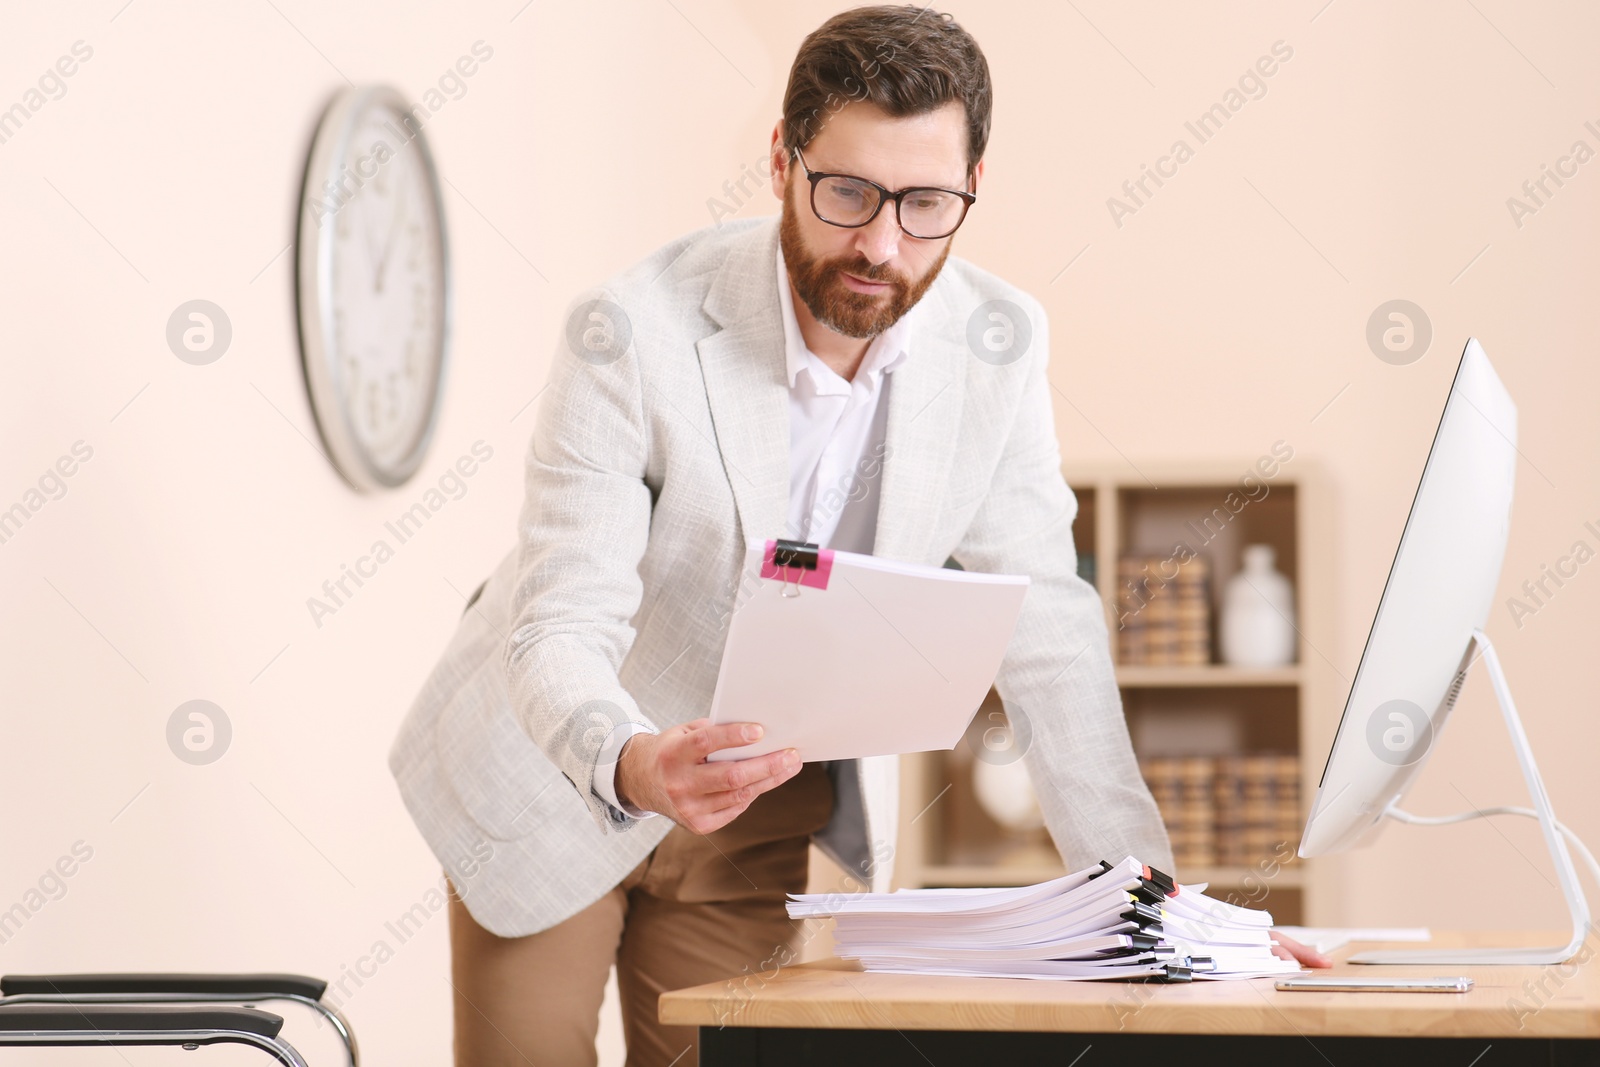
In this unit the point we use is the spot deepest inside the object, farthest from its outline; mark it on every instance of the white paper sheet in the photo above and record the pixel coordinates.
(891, 657)
(1328, 938)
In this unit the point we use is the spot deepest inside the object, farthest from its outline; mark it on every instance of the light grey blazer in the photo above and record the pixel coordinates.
(645, 475)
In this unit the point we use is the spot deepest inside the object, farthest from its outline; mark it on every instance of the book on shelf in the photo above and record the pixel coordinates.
(1225, 810)
(1123, 920)
(1163, 610)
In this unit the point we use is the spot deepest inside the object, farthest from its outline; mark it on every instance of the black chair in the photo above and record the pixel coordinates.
(144, 1024)
(64, 994)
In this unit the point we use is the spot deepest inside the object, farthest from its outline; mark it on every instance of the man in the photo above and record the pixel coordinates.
(834, 376)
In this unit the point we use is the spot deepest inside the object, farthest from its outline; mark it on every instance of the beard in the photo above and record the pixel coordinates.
(817, 281)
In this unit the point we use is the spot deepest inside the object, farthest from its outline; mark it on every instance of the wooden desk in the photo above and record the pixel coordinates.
(832, 1013)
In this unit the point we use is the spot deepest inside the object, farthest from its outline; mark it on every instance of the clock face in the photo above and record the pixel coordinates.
(373, 287)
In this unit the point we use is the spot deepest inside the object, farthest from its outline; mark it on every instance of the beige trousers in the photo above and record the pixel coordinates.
(698, 909)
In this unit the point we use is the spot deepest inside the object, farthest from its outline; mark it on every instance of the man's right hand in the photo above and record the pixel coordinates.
(667, 773)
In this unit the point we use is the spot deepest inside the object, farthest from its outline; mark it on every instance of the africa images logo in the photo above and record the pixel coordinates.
(1399, 732)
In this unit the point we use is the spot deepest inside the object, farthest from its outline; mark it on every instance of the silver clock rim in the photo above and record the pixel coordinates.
(315, 298)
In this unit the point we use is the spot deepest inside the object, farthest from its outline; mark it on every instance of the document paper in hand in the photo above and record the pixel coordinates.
(873, 657)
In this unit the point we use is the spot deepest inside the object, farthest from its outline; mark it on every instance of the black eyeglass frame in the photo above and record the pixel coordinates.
(885, 196)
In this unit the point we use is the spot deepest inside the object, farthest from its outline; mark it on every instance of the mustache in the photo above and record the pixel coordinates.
(862, 269)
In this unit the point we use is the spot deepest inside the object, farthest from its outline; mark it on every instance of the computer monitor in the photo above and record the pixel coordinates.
(1427, 634)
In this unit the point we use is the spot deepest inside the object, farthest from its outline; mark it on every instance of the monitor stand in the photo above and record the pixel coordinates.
(1577, 905)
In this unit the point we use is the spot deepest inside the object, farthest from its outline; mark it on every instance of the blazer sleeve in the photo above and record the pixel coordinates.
(1056, 681)
(582, 531)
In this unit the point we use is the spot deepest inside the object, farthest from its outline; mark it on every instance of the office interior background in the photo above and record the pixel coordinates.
(1440, 153)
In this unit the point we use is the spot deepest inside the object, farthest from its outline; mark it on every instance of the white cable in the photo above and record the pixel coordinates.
(1401, 815)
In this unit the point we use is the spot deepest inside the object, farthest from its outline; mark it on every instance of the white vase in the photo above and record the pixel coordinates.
(1005, 792)
(1258, 613)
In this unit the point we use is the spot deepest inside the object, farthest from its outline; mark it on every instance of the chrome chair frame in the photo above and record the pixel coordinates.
(172, 989)
(58, 1025)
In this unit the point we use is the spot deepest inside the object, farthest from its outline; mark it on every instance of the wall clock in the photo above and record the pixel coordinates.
(372, 283)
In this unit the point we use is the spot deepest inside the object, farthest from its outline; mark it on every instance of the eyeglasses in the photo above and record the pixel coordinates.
(926, 213)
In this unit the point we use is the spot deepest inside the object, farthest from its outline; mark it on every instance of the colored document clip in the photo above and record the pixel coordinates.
(1155, 885)
(1167, 883)
(797, 563)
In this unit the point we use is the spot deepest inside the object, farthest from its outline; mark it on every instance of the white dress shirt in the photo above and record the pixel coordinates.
(836, 452)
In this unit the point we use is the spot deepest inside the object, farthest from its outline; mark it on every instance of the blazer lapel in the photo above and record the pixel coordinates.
(747, 387)
(925, 401)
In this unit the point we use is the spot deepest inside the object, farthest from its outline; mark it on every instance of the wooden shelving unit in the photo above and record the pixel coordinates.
(946, 839)
(1200, 677)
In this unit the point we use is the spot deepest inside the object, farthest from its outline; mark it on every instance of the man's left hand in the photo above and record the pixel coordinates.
(1289, 949)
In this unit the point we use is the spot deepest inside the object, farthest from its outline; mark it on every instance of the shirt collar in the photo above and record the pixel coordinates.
(886, 352)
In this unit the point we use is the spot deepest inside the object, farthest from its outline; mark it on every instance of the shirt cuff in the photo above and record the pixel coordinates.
(605, 769)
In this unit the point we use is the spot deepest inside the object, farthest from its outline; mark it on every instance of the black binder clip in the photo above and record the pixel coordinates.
(1178, 972)
(1163, 881)
(786, 554)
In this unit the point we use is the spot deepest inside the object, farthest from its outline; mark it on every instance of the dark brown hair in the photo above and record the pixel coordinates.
(905, 59)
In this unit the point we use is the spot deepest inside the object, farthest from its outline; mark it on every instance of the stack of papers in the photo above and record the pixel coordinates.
(1122, 920)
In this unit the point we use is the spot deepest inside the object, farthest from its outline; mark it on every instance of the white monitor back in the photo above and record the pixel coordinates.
(1441, 588)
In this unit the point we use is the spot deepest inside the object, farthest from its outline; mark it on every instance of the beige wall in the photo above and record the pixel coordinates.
(1221, 316)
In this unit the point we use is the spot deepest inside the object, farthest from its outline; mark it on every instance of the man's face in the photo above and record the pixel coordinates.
(860, 281)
